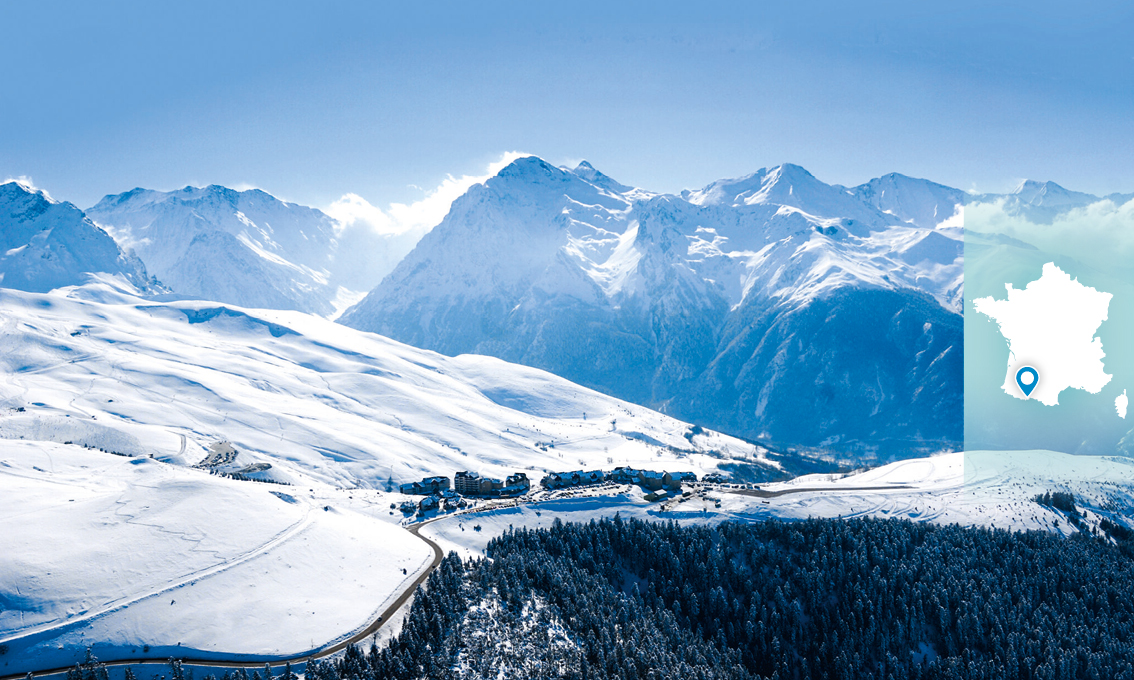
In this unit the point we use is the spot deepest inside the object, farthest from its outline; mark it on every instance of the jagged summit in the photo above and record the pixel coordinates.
(917, 201)
(12, 187)
(589, 173)
(47, 244)
(529, 168)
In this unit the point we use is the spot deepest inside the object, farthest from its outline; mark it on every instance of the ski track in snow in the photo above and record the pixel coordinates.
(184, 580)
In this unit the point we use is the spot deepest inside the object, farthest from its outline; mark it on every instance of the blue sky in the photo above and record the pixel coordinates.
(315, 100)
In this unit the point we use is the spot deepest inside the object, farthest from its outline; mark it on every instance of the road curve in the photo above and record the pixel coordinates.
(383, 618)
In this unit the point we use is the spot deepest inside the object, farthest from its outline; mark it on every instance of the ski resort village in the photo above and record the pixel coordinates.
(349, 474)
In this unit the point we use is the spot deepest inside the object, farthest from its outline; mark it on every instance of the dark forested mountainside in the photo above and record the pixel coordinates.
(813, 599)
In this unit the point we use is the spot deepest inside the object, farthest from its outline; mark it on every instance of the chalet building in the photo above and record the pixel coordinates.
(674, 480)
(650, 480)
(472, 484)
(428, 503)
(624, 475)
(427, 486)
(467, 483)
(516, 485)
(665, 480)
(559, 480)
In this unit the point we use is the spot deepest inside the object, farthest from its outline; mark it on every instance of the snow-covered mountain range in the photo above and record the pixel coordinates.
(248, 248)
(772, 305)
(47, 244)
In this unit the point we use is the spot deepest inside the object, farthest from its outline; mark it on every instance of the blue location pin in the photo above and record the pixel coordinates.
(1027, 378)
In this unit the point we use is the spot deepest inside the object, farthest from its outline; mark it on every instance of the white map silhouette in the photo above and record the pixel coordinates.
(1050, 325)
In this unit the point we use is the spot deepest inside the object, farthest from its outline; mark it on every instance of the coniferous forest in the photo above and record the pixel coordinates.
(812, 599)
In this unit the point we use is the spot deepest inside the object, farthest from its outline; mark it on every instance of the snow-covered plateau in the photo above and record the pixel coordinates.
(137, 558)
(310, 398)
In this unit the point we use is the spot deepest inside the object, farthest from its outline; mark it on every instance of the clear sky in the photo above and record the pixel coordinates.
(312, 101)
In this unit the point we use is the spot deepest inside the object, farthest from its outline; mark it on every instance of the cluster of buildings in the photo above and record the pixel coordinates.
(439, 495)
(426, 487)
(651, 480)
(472, 484)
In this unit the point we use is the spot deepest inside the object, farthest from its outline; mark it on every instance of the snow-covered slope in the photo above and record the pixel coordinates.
(309, 398)
(918, 201)
(114, 409)
(143, 559)
(771, 305)
(247, 247)
(46, 244)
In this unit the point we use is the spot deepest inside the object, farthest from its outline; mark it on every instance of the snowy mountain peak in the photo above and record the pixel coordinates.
(47, 244)
(786, 184)
(242, 247)
(674, 292)
(13, 187)
(916, 201)
(532, 181)
(589, 173)
(1049, 194)
(531, 168)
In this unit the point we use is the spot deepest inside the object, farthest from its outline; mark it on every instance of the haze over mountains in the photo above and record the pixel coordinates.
(771, 306)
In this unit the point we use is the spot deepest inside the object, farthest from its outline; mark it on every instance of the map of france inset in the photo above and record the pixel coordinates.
(1050, 325)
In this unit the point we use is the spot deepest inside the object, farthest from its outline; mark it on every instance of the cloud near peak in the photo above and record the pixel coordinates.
(27, 183)
(398, 218)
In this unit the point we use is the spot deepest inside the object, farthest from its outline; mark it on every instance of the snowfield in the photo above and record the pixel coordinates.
(309, 398)
(120, 552)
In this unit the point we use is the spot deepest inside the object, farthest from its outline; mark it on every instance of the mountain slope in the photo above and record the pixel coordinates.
(307, 397)
(142, 559)
(680, 302)
(45, 244)
(917, 201)
(245, 247)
